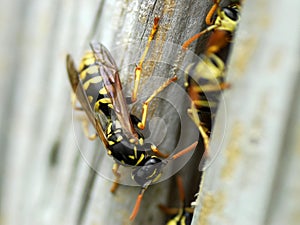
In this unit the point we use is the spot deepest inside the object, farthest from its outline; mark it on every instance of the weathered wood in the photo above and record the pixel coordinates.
(48, 168)
(254, 178)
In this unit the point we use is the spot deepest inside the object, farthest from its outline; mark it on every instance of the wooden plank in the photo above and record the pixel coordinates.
(46, 179)
(253, 179)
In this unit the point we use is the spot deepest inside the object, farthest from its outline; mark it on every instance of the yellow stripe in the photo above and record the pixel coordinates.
(90, 98)
(88, 59)
(204, 103)
(105, 100)
(94, 80)
(102, 101)
(135, 151)
(154, 172)
(86, 62)
(109, 128)
(119, 139)
(103, 91)
(140, 159)
(131, 157)
(97, 106)
(141, 141)
(89, 70)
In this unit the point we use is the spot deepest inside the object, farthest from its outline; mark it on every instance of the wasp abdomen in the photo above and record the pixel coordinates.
(203, 81)
(121, 149)
(93, 85)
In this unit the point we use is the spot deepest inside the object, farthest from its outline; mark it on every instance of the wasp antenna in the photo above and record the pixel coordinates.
(137, 204)
(186, 150)
(187, 43)
(208, 19)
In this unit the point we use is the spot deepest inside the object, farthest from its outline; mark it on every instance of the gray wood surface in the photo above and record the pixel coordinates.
(50, 172)
(254, 179)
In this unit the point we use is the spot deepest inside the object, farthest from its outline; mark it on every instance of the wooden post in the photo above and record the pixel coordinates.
(254, 179)
(49, 170)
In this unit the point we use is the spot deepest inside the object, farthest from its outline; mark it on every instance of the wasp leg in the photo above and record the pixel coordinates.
(173, 211)
(225, 85)
(73, 102)
(85, 125)
(158, 153)
(185, 151)
(138, 69)
(213, 88)
(142, 124)
(177, 211)
(117, 175)
(168, 210)
(194, 116)
(85, 122)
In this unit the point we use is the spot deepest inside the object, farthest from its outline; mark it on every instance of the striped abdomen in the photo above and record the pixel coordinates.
(93, 85)
(203, 84)
(122, 150)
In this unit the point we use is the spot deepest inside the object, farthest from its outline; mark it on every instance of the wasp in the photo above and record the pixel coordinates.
(205, 79)
(98, 88)
(182, 215)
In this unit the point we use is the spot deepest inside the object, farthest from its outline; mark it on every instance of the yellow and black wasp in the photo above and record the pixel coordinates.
(205, 79)
(98, 88)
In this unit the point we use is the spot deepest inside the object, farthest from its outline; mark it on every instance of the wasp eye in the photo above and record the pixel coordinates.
(232, 13)
(149, 171)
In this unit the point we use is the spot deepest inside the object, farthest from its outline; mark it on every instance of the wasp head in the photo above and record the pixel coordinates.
(149, 172)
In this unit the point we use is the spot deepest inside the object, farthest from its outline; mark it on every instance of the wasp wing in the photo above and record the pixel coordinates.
(82, 98)
(109, 73)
